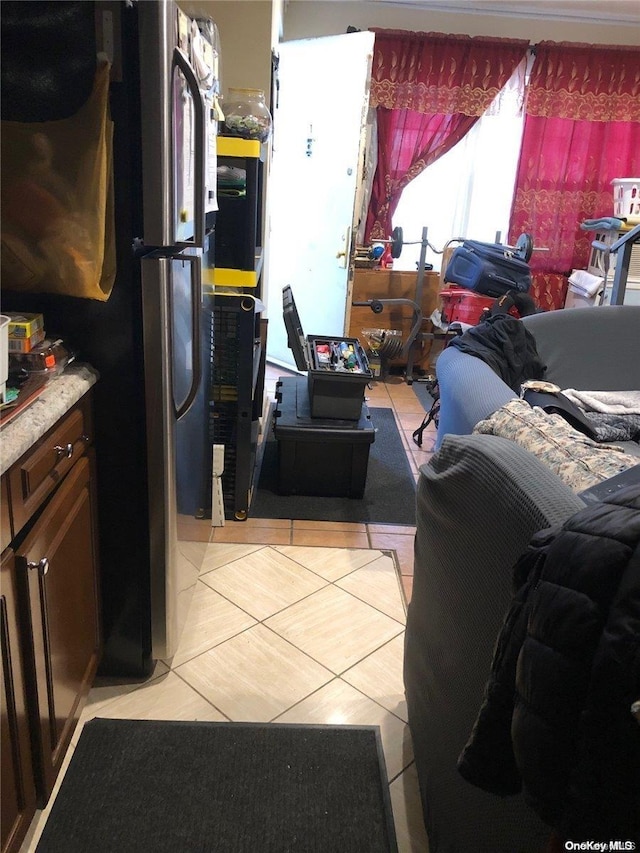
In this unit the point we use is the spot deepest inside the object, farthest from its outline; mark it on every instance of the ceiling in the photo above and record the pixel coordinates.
(609, 11)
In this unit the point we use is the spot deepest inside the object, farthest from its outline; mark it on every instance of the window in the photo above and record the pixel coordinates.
(467, 192)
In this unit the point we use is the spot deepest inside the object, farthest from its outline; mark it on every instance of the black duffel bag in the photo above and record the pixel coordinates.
(487, 268)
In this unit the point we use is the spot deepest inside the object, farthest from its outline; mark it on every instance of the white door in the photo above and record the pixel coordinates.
(318, 126)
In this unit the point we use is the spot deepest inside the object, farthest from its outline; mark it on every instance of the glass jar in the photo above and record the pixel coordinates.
(246, 114)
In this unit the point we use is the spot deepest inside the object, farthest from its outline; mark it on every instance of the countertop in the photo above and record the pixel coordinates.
(55, 401)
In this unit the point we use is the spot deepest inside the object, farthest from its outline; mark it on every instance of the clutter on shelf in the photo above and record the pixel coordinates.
(626, 197)
(337, 368)
(246, 114)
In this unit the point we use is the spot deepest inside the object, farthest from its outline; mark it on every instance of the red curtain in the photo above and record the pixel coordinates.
(428, 89)
(582, 129)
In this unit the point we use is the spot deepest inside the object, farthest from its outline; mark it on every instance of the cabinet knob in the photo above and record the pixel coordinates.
(64, 450)
(42, 566)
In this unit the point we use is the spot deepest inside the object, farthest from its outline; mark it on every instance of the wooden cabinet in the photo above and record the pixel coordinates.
(6, 524)
(33, 477)
(50, 613)
(18, 781)
(394, 284)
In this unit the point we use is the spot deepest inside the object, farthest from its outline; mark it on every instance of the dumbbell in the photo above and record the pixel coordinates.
(396, 241)
(522, 249)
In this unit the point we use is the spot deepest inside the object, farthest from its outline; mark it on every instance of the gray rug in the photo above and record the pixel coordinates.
(141, 786)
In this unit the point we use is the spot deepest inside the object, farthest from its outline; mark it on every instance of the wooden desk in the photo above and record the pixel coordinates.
(394, 284)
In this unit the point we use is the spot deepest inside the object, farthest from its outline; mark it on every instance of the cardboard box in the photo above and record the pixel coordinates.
(25, 344)
(25, 326)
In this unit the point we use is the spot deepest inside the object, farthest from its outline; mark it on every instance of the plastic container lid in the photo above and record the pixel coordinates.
(296, 339)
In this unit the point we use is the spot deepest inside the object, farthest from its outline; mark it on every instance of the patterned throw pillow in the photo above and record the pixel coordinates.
(579, 461)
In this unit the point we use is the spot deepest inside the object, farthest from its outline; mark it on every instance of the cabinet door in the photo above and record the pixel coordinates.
(58, 563)
(18, 787)
(6, 524)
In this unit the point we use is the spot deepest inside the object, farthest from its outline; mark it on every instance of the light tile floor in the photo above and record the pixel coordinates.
(294, 622)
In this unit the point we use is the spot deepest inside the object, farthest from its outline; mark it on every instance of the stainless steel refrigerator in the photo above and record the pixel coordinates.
(151, 340)
(178, 194)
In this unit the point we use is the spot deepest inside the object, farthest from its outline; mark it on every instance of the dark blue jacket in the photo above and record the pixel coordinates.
(556, 718)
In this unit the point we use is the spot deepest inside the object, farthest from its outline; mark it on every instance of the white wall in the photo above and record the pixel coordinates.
(308, 18)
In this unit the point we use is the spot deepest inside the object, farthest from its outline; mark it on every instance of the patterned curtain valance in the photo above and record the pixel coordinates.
(439, 73)
(585, 82)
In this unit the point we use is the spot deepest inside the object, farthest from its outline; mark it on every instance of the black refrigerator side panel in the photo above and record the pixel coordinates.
(48, 59)
(54, 81)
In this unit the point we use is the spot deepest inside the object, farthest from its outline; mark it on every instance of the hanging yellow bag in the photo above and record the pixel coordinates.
(57, 201)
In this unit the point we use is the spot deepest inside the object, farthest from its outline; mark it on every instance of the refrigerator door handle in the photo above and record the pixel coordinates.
(181, 60)
(196, 360)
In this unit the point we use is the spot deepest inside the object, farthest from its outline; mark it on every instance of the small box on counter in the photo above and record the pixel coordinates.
(337, 368)
(25, 344)
(25, 326)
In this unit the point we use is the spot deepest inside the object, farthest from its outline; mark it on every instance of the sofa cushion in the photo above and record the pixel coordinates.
(590, 347)
(579, 461)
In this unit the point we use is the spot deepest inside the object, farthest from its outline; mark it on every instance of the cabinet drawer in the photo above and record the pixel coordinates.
(36, 475)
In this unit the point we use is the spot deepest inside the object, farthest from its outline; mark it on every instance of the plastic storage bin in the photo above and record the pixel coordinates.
(334, 391)
(319, 457)
(626, 196)
(459, 305)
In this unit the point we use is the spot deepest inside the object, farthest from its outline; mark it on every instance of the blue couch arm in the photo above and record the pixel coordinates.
(470, 391)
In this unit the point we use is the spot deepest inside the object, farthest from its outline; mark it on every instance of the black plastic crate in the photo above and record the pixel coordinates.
(319, 457)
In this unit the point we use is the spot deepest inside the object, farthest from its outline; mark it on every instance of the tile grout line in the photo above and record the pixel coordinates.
(289, 642)
(286, 607)
(201, 695)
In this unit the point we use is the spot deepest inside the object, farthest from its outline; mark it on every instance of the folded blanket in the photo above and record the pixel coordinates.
(596, 425)
(584, 283)
(579, 461)
(606, 223)
(606, 402)
(614, 427)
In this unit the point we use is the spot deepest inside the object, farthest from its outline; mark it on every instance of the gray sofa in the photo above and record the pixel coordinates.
(479, 501)
(584, 348)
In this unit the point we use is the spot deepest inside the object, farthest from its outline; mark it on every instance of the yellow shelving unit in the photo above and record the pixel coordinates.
(229, 277)
(232, 146)
(238, 335)
(238, 234)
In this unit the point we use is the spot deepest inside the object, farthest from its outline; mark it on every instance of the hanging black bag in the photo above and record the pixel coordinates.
(432, 415)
